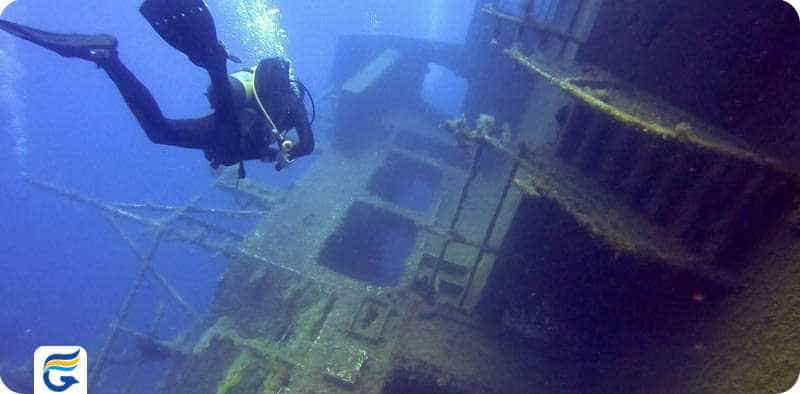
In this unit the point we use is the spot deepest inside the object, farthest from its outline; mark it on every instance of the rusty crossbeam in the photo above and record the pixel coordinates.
(122, 315)
(648, 115)
(174, 294)
(115, 212)
(197, 238)
(191, 209)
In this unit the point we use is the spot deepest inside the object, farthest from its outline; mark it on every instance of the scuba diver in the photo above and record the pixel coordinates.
(253, 109)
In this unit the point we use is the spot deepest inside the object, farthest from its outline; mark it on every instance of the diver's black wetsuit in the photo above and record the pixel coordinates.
(218, 134)
(234, 132)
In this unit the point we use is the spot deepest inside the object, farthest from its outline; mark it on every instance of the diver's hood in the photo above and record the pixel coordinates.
(272, 75)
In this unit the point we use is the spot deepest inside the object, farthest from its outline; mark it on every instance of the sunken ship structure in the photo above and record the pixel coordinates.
(616, 211)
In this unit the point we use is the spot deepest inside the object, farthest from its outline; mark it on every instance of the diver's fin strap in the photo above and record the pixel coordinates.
(228, 53)
(188, 26)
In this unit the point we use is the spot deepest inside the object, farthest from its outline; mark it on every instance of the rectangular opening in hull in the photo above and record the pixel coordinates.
(371, 245)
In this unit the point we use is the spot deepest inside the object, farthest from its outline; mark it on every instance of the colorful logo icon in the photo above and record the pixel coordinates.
(60, 369)
(4, 389)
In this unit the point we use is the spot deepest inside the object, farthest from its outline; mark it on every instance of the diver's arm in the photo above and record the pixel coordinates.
(301, 124)
(188, 133)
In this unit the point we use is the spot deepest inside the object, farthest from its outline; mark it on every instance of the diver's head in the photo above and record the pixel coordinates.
(271, 81)
(272, 77)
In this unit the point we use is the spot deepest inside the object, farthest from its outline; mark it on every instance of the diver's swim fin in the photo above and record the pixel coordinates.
(186, 25)
(92, 47)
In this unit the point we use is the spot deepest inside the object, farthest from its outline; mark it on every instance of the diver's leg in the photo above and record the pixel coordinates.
(102, 50)
(188, 133)
(188, 26)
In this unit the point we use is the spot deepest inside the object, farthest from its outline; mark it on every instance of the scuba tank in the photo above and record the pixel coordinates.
(247, 98)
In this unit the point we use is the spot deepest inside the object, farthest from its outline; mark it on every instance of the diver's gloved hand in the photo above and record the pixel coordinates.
(281, 159)
(284, 160)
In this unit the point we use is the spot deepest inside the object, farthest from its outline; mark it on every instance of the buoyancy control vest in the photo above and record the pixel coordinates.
(258, 127)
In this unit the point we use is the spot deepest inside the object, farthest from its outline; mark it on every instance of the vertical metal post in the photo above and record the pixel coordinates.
(581, 27)
(526, 16)
(571, 29)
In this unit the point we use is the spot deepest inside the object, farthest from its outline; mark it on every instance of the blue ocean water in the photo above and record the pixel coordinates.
(64, 271)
